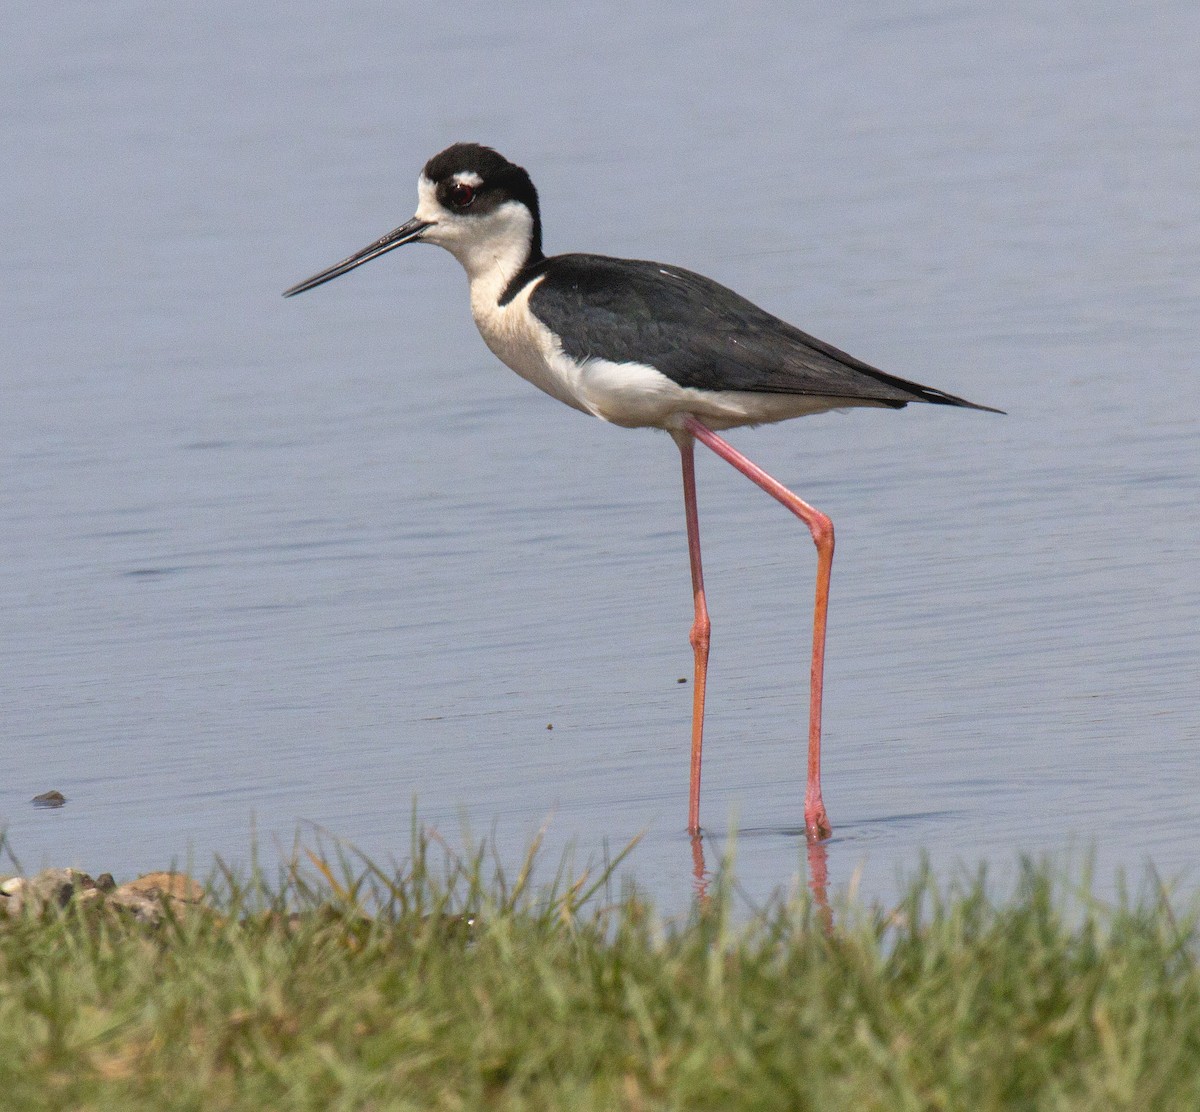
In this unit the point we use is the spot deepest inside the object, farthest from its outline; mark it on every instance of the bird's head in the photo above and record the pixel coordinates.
(470, 200)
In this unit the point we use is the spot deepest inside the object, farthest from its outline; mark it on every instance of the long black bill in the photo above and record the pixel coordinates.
(406, 233)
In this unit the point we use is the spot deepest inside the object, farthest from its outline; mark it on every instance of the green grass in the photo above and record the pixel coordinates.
(449, 987)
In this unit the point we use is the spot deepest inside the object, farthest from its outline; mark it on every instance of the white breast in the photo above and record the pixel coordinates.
(522, 342)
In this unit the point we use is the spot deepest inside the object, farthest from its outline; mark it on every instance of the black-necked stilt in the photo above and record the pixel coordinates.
(642, 344)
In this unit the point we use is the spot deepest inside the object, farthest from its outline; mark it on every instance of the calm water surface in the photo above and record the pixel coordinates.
(270, 562)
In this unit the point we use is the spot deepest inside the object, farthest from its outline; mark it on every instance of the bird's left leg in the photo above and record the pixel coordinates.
(816, 821)
(701, 626)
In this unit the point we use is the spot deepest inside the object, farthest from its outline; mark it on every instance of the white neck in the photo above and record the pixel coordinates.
(492, 261)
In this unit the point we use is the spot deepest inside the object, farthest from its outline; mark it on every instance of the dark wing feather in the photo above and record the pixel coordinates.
(632, 311)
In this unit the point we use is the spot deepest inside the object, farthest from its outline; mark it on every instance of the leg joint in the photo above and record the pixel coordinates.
(821, 528)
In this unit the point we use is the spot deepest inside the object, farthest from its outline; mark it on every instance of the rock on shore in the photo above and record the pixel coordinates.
(146, 899)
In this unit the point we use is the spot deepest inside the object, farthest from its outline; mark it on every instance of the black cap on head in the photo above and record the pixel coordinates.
(502, 181)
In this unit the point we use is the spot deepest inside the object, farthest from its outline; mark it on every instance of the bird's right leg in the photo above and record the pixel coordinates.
(701, 626)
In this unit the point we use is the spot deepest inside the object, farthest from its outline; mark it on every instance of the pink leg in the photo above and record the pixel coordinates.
(816, 821)
(700, 627)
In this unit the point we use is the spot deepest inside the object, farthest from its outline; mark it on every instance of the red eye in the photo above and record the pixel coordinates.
(461, 194)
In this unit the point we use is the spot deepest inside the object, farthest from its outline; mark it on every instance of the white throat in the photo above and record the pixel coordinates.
(491, 247)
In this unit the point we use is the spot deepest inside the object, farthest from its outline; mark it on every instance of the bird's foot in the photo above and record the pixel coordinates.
(817, 826)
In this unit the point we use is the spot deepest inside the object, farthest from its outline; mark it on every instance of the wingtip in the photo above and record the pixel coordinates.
(940, 397)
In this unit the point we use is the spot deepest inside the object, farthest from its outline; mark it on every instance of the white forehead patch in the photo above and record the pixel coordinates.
(468, 177)
(427, 202)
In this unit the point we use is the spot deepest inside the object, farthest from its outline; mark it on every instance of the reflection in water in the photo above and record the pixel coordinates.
(818, 882)
(818, 877)
(699, 872)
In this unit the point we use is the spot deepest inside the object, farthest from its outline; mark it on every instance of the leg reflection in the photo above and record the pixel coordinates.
(818, 878)
(818, 883)
(699, 872)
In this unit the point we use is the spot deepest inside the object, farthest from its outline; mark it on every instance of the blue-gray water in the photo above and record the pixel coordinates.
(265, 561)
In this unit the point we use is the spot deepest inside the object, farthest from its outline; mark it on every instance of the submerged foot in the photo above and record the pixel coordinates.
(817, 826)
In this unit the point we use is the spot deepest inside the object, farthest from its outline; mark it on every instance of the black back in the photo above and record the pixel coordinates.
(698, 333)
